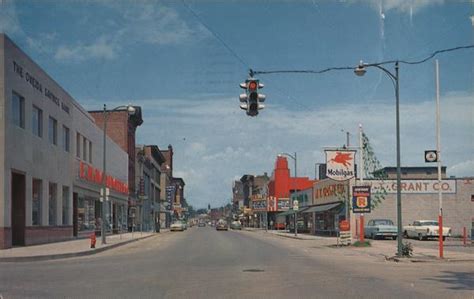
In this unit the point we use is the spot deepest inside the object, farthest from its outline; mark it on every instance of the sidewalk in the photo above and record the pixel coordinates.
(73, 248)
(378, 248)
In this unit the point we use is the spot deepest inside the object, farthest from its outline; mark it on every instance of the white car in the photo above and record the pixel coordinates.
(424, 229)
(177, 226)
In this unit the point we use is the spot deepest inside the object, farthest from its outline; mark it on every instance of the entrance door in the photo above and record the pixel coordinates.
(18, 209)
(74, 214)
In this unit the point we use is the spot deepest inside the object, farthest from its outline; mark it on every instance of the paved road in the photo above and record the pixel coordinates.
(204, 263)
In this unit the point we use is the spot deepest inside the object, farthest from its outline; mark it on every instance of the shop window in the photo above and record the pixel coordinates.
(66, 138)
(37, 121)
(90, 152)
(36, 202)
(52, 204)
(86, 219)
(65, 205)
(78, 145)
(84, 149)
(53, 131)
(18, 110)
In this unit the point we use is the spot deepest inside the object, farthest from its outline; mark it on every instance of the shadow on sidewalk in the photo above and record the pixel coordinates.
(457, 280)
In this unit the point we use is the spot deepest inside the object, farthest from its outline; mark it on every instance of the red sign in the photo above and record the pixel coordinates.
(94, 175)
(272, 204)
(344, 225)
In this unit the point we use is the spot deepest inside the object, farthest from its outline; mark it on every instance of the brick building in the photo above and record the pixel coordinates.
(121, 128)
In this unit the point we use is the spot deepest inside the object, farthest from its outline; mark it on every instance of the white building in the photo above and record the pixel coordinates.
(51, 159)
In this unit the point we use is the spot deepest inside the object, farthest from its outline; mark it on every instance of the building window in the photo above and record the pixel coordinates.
(53, 131)
(52, 204)
(78, 145)
(36, 202)
(18, 110)
(84, 149)
(90, 152)
(66, 138)
(37, 121)
(65, 205)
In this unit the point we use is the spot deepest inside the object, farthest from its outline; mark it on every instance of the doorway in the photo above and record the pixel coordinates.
(74, 214)
(18, 212)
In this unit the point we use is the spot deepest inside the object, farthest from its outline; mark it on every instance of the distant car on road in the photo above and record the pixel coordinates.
(185, 224)
(177, 226)
(381, 228)
(201, 224)
(235, 225)
(424, 229)
(221, 225)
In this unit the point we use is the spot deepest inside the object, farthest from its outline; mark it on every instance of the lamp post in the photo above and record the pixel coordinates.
(360, 70)
(294, 159)
(131, 110)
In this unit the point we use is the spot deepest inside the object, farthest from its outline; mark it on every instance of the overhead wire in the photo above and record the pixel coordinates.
(432, 55)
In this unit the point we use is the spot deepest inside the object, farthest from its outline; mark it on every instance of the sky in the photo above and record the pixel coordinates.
(183, 61)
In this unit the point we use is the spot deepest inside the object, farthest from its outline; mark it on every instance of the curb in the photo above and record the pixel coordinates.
(67, 255)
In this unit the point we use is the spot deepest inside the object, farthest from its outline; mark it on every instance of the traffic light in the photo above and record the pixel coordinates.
(252, 100)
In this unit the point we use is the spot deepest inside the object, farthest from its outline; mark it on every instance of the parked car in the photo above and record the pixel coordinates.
(381, 228)
(221, 225)
(177, 226)
(235, 225)
(424, 229)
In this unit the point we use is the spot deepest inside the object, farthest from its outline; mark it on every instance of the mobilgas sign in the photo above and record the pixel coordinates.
(340, 164)
(361, 199)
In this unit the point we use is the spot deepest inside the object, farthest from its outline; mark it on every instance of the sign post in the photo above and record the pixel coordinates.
(361, 204)
(295, 210)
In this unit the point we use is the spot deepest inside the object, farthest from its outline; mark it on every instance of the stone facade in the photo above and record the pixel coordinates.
(40, 155)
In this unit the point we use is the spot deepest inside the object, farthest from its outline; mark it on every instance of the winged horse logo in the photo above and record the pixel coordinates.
(342, 158)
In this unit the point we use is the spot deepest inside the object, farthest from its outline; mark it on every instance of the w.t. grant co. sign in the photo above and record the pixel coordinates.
(415, 186)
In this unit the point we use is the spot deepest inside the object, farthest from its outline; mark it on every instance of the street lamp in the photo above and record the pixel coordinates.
(131, 111)
(294, 159)
(360, 70)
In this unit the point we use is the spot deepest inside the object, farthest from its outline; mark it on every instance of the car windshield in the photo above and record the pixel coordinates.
(435, 223)
(383, 222)
(236, 148)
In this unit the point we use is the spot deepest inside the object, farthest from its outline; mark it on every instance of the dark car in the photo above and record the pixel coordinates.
(201, 224)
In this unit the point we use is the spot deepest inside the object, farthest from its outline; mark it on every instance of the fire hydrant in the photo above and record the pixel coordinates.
(93, 240)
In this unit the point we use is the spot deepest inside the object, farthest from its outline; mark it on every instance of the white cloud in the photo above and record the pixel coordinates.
(102, 48)
(222, 143)
(463, 169)
(8, 19)
(405, 6)
(139, 23)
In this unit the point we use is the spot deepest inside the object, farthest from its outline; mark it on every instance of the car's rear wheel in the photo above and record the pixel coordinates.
(373, 236)
(405, 234)
(420, 237)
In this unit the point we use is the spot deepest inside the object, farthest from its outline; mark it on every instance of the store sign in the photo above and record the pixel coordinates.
(431, 156)
(272, 204)
(361, 199)
(340, 164)
(283, 204)
(170, 192)
(39, 87)
(89, 173)
(415, 186)
(259, 205)
(329, 190)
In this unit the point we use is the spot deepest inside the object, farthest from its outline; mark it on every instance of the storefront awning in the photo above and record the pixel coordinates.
(322, 208)
(286, 213)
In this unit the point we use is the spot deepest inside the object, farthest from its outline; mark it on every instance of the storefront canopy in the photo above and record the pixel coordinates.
(322, 208)
(291, 212)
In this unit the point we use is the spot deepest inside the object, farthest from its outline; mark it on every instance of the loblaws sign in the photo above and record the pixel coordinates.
(340, 164)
